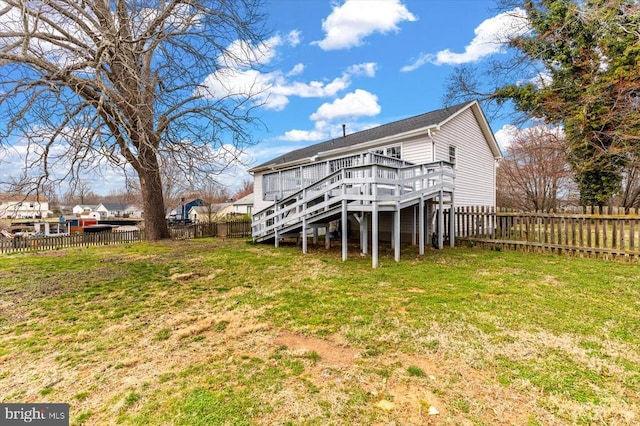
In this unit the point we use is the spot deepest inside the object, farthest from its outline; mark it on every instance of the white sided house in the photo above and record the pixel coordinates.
(388, 183)
(23, 207)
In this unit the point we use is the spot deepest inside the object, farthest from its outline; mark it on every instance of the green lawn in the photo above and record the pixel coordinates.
(226, 332)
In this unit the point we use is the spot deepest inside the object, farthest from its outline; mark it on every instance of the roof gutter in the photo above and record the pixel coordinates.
(278, 166)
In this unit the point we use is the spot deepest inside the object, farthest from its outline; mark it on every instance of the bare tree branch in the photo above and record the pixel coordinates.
(126, 82)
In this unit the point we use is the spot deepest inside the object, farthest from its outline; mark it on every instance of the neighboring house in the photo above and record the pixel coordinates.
(135, 212)
(243, 205)
(118, 210)
(23, 207)
(84, 209)
(107, 210)
(182, 210)
(209, 213)
(391, 182)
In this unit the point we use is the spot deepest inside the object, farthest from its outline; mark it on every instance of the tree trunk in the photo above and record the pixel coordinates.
(155, 222)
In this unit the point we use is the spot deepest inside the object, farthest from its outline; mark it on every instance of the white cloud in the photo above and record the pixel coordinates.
(296, 70)
(323, 130)
(349, 24)
(356, 104)
(294, 37)
(506, 135)
(272, 90)
(423, 59)
(241, 54)
(296, 135)
(367, 69)
(509, 133)
(490, 37)
(22, 159)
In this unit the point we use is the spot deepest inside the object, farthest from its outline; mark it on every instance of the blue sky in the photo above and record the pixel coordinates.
(364, 63)
(326, 63)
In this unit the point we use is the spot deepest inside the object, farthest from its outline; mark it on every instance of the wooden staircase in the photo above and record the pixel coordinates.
(364, 189)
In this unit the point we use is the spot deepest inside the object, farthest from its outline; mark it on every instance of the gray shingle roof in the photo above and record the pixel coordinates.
(113, 207)
(406, 125)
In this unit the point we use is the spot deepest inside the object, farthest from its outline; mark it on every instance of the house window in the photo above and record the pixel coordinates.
(452, 154)
(394, 151)
(389, 151)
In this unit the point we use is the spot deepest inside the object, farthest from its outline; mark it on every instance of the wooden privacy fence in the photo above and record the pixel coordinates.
(229, 229)
(609, 233)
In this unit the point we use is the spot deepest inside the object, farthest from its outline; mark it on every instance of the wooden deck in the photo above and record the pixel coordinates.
(364, 186)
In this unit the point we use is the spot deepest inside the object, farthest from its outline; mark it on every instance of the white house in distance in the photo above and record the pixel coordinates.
(118, 210)
(107, 210)
(388, 183)
(220, 211)
(83, 209)
(243, 205)
(23, 207)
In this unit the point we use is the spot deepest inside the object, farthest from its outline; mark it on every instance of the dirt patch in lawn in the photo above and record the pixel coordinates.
(332, 353)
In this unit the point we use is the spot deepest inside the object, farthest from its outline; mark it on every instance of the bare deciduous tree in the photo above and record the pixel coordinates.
(213, 194)
(629, 195)
(81, 192)
(245, 189)
(535, 174)
(127, 81)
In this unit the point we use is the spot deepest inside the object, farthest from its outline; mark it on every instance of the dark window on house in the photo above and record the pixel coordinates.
(389, 151)
(394, 151)
(452, 154)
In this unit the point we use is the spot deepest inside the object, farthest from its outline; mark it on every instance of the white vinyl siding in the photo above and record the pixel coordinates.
(417, 151)
(258, 202)
(475, 164)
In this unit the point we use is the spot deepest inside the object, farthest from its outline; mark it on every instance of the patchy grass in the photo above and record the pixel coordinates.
(210, 332)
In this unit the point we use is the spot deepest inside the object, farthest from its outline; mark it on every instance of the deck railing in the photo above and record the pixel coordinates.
(283, 183)
(360, 186)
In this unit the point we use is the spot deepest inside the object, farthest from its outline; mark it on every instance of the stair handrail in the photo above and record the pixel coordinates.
(339, 179)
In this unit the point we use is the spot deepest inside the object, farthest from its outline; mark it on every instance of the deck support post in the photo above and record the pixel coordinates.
(276, 220)
(374, 235)
(414, 226)
(440, 220)
(304, 235)
(315, 236)
(343, 229)
(396, 233)
(364, 233)
(362, 224)
(421, 226)
(327, 237)
(428, 221)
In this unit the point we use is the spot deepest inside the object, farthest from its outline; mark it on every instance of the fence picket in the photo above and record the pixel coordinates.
(233, 229)
(591, 231)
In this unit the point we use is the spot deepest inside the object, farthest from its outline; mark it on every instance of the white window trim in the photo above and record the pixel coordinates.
(455, 155)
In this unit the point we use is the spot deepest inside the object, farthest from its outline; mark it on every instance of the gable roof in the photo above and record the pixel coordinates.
(424, 121)
(247, 200)
(87, 206)
(114, 206)
(22, 198)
